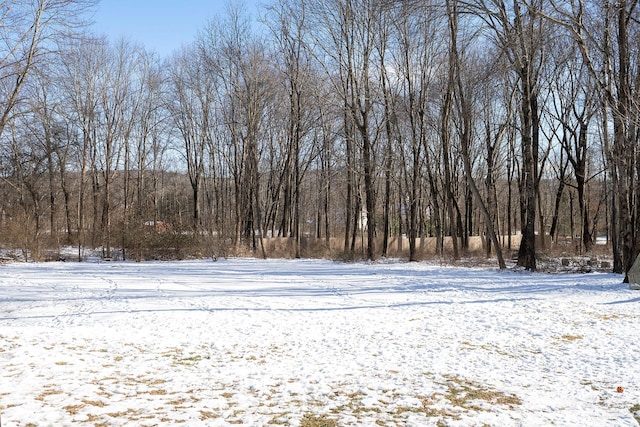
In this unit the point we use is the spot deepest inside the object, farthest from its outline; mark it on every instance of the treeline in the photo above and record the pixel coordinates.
(358, 119)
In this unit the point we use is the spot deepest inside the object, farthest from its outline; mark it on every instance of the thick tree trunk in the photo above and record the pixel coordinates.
(527, 251)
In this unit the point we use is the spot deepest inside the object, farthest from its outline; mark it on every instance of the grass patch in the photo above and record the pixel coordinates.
(635, 411)
(47, 393)
(177, 402)
(73, 409)
(466, 345)
(179, 359)
(460, 396)
(280, 419)
(189, 360)
(571, 337)
(122, 414)
(312, 420)
(207, 415)
(467, 394)
(428, 410)
(96, 403)
(607, 316)
(463, 393)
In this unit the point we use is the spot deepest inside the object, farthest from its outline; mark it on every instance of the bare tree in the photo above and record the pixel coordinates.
(29, 30)
(290, 29)
(606, 41)
(43, 130)
(390, 120)
(192, 93)
(148, 119)
(346, 36)
(465, 112)
(117, 113)
(574, 104)
(80, 75)
(520, 34)
(239, 62)
(417, 30)
(28, 162)
(446, 129)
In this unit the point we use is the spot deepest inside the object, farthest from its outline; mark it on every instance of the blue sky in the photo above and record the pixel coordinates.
(161, 25)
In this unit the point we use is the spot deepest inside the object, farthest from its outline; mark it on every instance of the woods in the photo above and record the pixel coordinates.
(375, 123)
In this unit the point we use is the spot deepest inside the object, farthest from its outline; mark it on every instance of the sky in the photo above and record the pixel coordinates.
(160, 25)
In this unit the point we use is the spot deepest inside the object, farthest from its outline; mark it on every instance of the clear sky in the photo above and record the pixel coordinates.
(161, 25)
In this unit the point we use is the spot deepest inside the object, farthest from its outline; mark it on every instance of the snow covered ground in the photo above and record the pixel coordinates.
(301, 342)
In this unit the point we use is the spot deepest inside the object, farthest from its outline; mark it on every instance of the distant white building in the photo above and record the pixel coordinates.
(362, 221)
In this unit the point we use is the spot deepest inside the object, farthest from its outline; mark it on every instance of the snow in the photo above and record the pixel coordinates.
(204, 343)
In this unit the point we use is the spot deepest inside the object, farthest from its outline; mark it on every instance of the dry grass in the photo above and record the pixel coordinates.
(606, 316)
(129, 412)
(489, 348)
(51, 391)
(461, 396)
(635, 411)
(457, 398)
(74, 409)
(312, 420)
(466, 394)
(207, 415)
(571, 337)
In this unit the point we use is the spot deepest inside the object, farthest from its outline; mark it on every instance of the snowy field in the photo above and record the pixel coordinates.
(314, 343)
